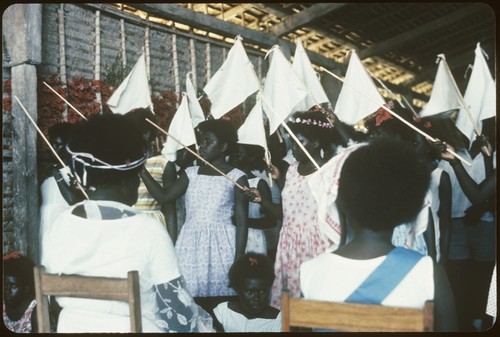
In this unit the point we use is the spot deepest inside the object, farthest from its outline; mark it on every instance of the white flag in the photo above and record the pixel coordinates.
(359, 97)
(252, 130)
(480, 96)
(444, 95)
(133, 92)
(194, 106)
(182, 129)
(233, 82)
(305, 72)
(282, 90)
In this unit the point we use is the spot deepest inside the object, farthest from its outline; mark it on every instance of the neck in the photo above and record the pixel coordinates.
(367, 244)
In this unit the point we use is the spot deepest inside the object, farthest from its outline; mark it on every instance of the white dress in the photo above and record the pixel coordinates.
(331, 277)
(236, 322)
(256, 241)
(124, 240)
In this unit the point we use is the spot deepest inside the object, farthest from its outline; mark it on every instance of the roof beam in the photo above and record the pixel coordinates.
(235, 11)
(429, 73)
(295, 21)
(408, 36)
(206, 22)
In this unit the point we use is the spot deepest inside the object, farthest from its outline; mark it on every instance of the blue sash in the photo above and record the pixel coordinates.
(382, 281)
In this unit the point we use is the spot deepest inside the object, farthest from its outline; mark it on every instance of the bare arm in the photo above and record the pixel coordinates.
(241, 217)
(165, 194)
(268, 221)
(444, 214)
(445, 314)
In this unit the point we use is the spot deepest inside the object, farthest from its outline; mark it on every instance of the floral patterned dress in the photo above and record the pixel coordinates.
(206, 246)
(23, 324)
(300, 237)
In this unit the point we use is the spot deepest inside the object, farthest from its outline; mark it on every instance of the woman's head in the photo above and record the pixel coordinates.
(216, 137)
(383, 124)
(313, 130)
(252, 276)
(382, 185)
(248, 156)
(18, 278)
(107, 150)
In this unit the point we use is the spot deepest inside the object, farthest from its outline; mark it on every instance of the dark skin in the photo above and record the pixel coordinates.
(243, 161)
(305, 167)
(253, 301)
(476, 193)
(17, 298)
(428, 157)
(213, 151)
(368, 244)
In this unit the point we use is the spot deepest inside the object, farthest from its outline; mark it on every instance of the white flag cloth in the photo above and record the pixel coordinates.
(233, 82)
(306, 73)
(133, 92)
(359, 97)
(194, 106)
(444, 95)
(480, 96)
(324, 187)
(181, 128)
(282, 90)
(252, 130)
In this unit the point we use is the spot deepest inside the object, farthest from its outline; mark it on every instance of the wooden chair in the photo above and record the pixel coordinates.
(103, 288)
(353, 317)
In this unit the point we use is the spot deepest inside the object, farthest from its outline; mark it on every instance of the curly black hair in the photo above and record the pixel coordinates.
(251, 266)
(21, 267)
(223, 130)
(382, 184)
(319, 129)
(112, 138)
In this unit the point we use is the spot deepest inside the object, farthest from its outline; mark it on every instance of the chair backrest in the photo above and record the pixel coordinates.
(102, 288)
(353, 317)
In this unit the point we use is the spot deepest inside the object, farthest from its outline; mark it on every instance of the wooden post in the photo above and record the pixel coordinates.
(22, 37)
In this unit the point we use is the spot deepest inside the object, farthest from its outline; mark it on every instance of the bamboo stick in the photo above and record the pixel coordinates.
(97, 69)
(176, 64)
(192, 51)
(122, 37)
(292, 134)
(398, 117)
(197, 155)
(50, 146)
(62, 55)
(68, 103)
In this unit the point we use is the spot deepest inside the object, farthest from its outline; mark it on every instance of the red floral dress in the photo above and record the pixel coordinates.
(23, 325)
(300, 237)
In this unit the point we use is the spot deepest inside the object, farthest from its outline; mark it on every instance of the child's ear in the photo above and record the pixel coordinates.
(224, 147)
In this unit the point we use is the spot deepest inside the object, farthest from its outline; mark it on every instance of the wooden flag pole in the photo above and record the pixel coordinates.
(68, 103)
(292, 134)
(50, 146)
(399, 117)
(197, 155)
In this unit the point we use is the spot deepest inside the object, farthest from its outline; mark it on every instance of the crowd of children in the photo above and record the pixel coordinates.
(209, 263)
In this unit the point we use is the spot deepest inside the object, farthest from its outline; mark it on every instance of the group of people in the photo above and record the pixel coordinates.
(220, 259)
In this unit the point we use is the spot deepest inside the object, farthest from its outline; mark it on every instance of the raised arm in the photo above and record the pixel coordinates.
(269, 220)
(475, 192)
(164, 194)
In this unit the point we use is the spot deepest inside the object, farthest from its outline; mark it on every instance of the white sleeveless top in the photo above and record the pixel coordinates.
(331, 277)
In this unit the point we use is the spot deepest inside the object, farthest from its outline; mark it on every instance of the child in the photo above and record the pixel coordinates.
(209, 241)
(105, 236)
(251, 276)
(248, 158)
(382, 184)
(19, 314)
